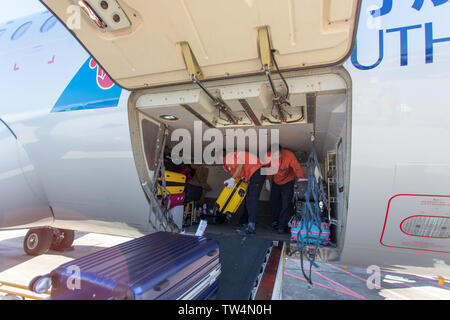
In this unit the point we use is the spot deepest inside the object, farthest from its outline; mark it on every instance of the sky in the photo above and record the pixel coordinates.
(13, 9)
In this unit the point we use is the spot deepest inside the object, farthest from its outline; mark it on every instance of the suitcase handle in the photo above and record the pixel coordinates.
(162, 285)
(212, 253)
(122, 292)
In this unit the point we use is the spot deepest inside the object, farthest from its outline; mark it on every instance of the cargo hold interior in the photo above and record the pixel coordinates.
(320, 105)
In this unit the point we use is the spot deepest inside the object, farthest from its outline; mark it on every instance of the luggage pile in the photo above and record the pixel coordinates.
(171, 190)
(225, 206)
(186, 186)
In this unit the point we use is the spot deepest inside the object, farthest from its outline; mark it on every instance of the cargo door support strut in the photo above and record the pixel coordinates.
(196, 75)
(268, 61)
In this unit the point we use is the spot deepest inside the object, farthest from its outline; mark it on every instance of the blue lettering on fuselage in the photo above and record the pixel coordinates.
(430, 39)
(417, 4)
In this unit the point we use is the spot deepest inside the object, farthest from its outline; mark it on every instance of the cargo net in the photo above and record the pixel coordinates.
(310, 223)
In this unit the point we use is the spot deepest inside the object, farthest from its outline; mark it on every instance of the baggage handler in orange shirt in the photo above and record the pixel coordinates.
(245, 165)
(287, 168)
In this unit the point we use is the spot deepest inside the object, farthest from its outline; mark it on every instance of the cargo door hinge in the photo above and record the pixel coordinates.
(191, 62)
(196, 76)
(266, 55)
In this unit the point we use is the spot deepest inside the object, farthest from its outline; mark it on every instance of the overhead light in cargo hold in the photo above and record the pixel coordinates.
(107, 15)
(168, 117)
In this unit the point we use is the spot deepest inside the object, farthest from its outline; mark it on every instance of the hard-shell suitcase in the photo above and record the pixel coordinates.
(229, 200)
(183, 169)
(175, 182)
(161, 265)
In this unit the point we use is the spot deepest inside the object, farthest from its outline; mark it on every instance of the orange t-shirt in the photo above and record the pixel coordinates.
(288, 167)
(251, 163)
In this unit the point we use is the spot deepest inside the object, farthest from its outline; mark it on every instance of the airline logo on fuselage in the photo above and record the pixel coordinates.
(90, 88)
(103, 81)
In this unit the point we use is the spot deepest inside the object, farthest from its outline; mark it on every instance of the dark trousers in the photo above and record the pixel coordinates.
(251, 201)
(280, 203)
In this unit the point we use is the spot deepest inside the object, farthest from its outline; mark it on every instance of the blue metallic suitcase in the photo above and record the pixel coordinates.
(162, 265)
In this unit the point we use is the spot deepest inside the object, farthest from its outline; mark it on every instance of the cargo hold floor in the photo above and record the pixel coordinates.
(241, 259)
(263, 229)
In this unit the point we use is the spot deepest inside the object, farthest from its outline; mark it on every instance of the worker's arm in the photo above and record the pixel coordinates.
(238, 170)
(229, 183)
(295, 165)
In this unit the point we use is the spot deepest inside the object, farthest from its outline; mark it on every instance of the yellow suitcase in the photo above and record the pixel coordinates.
(229, 200)
(175, 182)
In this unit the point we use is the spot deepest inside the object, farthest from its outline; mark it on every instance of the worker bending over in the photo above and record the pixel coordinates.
(245, 165)
(286, 168)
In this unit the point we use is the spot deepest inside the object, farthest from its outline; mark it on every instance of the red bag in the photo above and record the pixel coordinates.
(175, 200)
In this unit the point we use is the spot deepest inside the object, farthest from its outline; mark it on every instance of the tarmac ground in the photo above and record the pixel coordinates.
(330, 281)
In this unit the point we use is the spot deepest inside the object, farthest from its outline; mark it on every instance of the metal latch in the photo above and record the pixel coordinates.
(106, 15)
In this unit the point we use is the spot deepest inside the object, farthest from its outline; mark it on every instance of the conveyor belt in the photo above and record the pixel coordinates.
(241, 260)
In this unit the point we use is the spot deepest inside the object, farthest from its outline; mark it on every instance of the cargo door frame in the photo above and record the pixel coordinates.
(158, 218)
(136, 142)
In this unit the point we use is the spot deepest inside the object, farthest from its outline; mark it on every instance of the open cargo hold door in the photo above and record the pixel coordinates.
(143, 44)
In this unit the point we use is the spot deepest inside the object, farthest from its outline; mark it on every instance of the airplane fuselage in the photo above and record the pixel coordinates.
(67, 148)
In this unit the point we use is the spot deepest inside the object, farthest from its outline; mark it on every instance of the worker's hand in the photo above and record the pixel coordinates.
(229, 183)
(267, 185)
